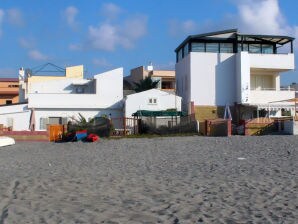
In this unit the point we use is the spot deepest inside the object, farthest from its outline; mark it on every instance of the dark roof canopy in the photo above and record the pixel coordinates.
(275, 39)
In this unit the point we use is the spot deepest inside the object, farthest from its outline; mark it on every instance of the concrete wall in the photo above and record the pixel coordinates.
(17, 116)
(140, 101)
(109, 87)
(137, 74)
(242, 78)
(9, 92)
(183, 80)
(212, 78)
(264, 97)
(272, 61)
(75, 72)
(58, 86)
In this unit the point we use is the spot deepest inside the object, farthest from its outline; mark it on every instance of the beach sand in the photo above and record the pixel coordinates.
(157, 180)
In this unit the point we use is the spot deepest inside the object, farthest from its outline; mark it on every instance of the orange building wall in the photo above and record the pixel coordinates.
(9, 90)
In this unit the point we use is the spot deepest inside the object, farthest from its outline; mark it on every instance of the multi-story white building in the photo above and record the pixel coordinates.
(58, 100)
(226, 67)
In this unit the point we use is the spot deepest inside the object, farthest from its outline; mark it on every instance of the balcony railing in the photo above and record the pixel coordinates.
(264, 97)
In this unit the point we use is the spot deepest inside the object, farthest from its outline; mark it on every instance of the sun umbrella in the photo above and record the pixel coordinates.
(227, 113)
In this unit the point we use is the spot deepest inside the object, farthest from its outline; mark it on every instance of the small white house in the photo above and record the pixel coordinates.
(153, 99)
(15, 117)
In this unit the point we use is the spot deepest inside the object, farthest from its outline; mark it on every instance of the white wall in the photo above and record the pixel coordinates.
(272, 61)
(243, 77)
(213, 79)
(51, 86)
(183, 80)
(19, 115)
(140, 101)
(109, 87)
(58, 86)
(264, 97)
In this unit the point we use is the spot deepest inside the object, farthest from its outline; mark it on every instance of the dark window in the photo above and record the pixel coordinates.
(226, 48)
(212, 47)
(185, 50)
(8, 102)
(180, 54)
(55, 120)
(198, 47)
(267, 49)
(245, 47)
(255, 48)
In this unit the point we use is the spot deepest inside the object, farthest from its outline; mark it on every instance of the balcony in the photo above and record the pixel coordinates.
(265, 96)
(280, 62)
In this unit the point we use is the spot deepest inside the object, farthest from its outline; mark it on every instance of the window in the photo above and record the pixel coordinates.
(180, 54)
(43, 123)
(198, 47)
(55, 120)
(8, 102)
(13, 86)
(255, 48)
(159, 81)
(185, 50)
(152, 101)
(226, 48)
(245, 47)
(212, 47)
(267, 49)
(80, 89)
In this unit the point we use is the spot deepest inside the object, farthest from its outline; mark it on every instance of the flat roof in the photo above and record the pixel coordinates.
(9, 79)
(276, 39)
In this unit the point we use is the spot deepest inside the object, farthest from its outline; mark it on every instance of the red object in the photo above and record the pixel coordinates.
(92, 138)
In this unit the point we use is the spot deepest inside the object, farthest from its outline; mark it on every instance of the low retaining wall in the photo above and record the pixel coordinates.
(27, 135)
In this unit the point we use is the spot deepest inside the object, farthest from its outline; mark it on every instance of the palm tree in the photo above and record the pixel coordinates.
(145, 84)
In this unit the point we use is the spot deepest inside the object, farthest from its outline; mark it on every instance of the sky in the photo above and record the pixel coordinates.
(103, 35)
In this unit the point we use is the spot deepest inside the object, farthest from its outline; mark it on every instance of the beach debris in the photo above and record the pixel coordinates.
(241, 158)
(176, 221)
(200, 220)
(5, 141)
(50, 164)
(92, 138)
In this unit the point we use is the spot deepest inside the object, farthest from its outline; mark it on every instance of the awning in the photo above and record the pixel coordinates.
(160, 113)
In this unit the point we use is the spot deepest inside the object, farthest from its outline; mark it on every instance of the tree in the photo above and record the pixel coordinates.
(145, 84)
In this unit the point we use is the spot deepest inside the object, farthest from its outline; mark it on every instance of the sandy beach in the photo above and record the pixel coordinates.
(157, 180)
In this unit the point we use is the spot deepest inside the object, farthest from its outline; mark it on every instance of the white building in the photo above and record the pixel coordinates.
(16, 117)
(57, 101)
(225, 67)
(153, 100)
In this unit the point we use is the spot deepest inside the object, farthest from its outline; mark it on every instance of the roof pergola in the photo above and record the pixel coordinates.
(232, 34)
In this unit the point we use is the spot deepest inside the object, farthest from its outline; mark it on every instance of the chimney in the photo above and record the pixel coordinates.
(150, 67)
